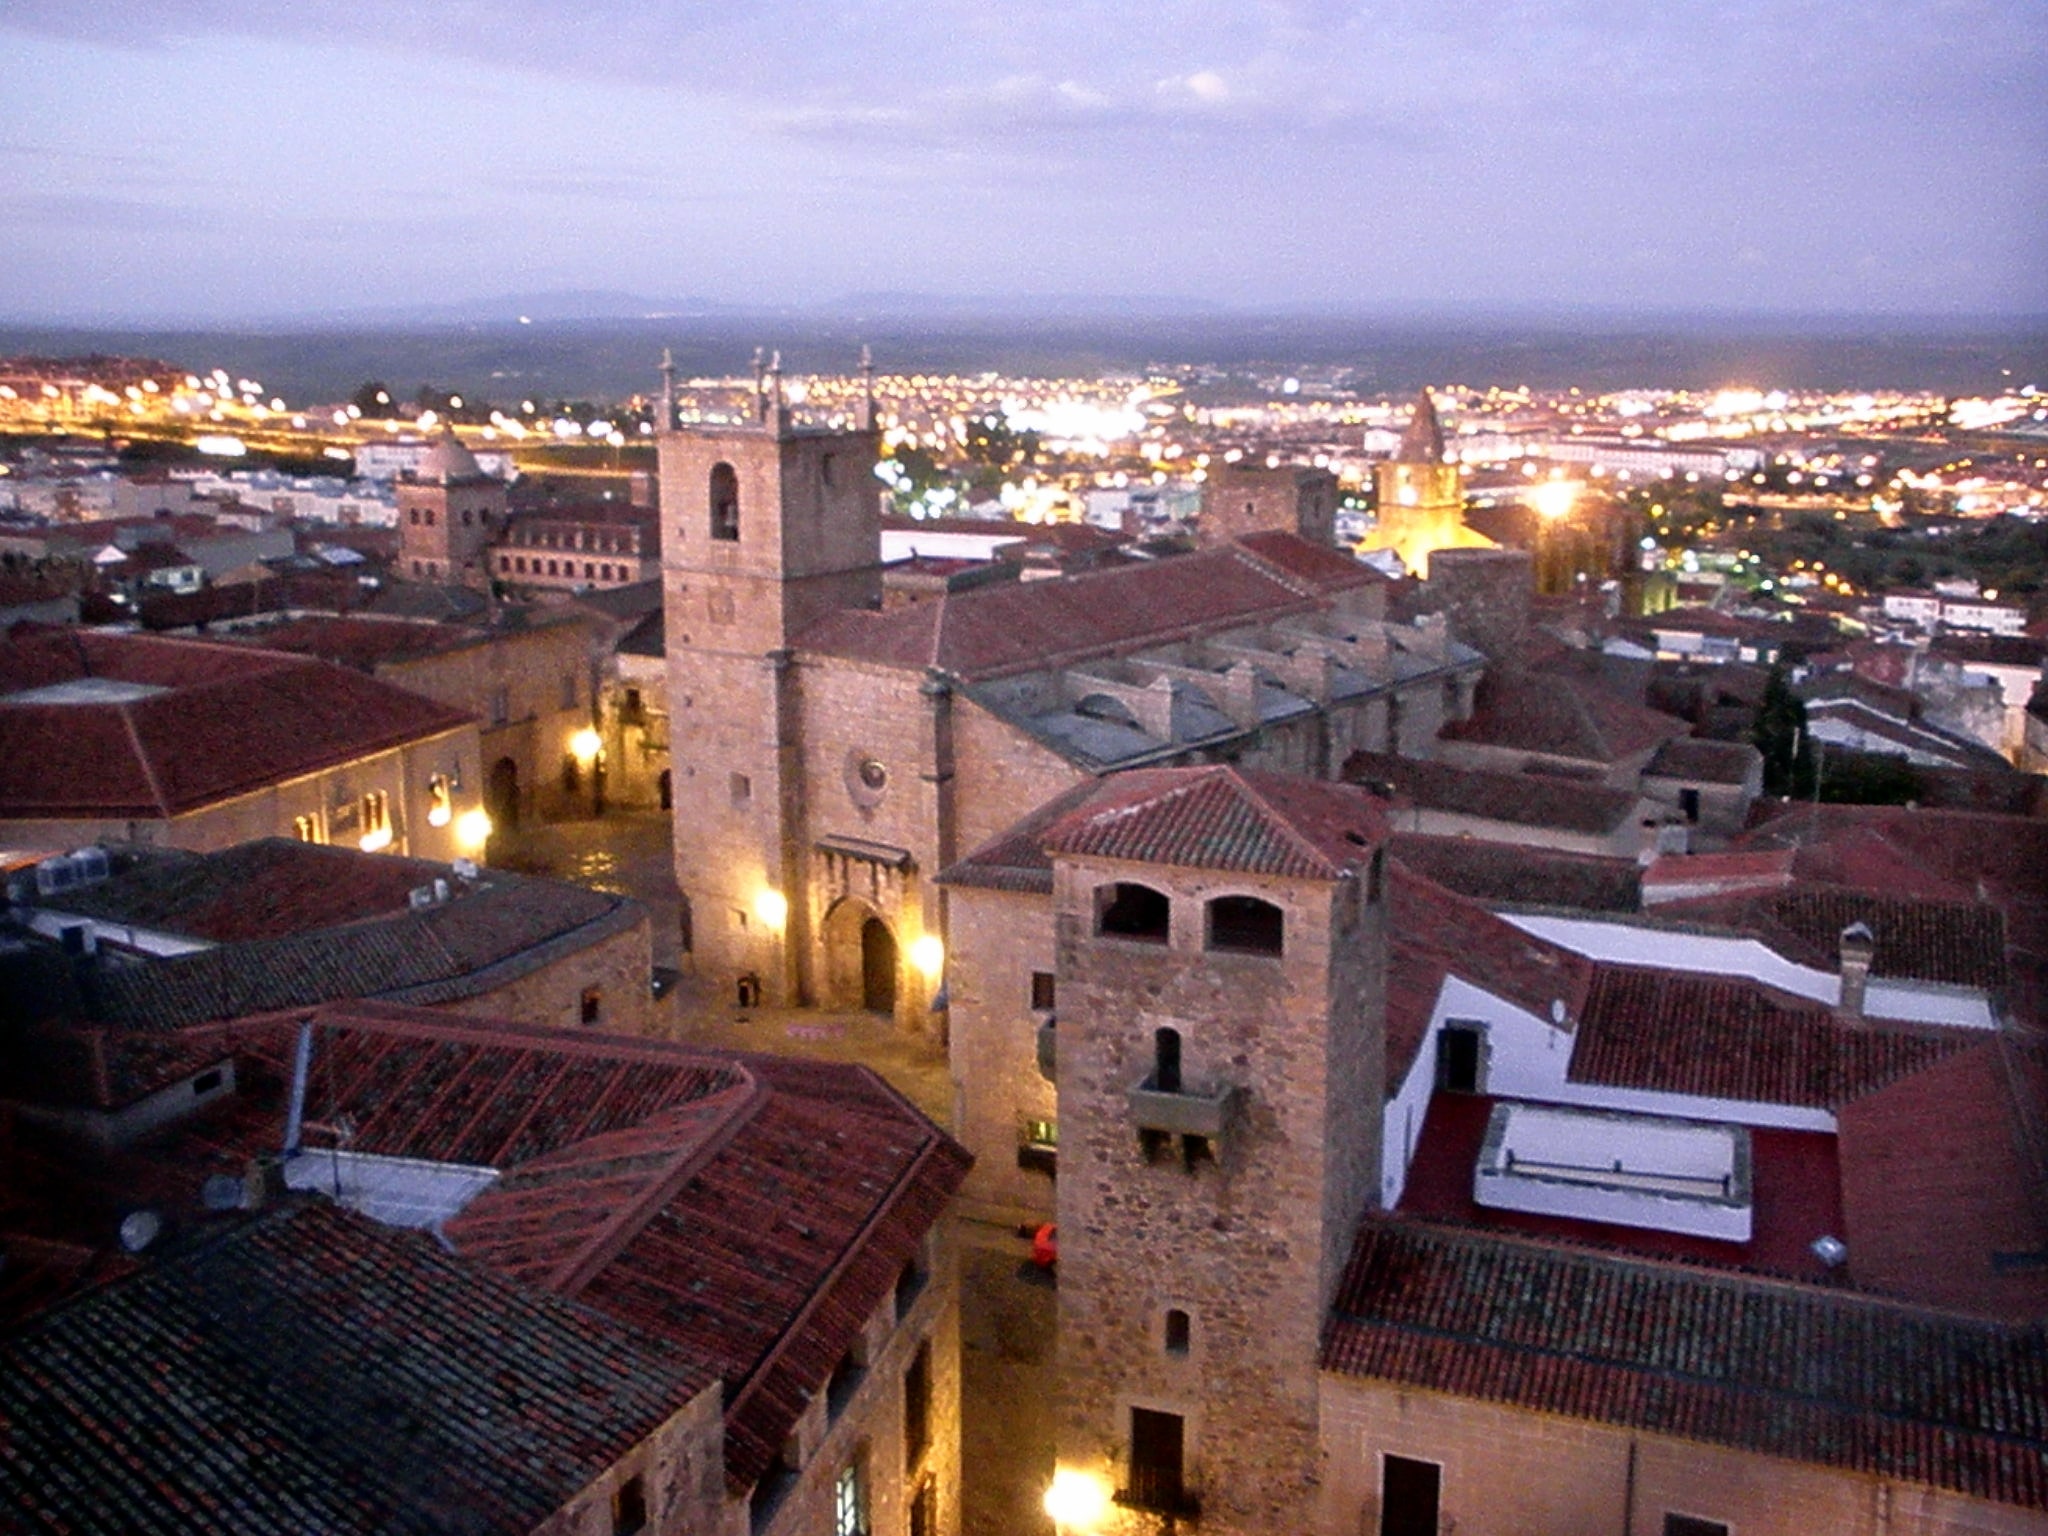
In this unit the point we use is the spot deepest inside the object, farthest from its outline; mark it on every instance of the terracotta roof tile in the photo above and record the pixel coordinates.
(993, 630)
(1519, 799)
(308, 1370)
(1226, 818)
(1511, 874)
(1723, 1037)
(1870, 1387)
(229, 720)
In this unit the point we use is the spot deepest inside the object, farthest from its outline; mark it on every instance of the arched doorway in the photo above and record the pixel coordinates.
(877, 967)
(501, 795)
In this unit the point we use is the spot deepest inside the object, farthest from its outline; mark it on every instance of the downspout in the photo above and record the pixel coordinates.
(1628, 1506)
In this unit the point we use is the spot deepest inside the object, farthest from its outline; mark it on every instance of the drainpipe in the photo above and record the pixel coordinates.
(1628, 1496)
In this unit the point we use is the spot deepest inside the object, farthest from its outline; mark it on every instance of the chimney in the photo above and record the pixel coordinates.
(1858, 950)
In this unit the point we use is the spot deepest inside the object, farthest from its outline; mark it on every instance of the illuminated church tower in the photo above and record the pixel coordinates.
(1421, 496)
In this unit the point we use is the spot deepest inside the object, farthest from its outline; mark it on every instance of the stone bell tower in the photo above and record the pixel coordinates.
(1422, 495)
(1221, 951)
(767, 526)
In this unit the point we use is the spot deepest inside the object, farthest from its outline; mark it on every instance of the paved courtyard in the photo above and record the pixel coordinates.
(1007, 1306)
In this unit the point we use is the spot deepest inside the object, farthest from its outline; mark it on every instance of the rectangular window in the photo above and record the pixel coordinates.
(1693, 1525)
(501, 705)
(1409, 1491)
(1042, 991)
(742, 789)
(592, 1004)
(1038, 1147)
(629, 1507)
(850, 1503)
(917, 1406)
(568, 690)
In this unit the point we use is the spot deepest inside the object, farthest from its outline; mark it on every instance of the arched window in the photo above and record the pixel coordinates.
(1128, 911)
(1246, 925)
(725, 503)
(1166, 1060)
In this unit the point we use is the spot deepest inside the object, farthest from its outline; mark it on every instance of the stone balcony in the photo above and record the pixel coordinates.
(1206, 1113)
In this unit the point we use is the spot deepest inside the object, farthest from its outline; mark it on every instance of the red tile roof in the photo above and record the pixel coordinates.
(990, 631)
(1513, 874)
(1942, 1201)
(230, 720)
(1226, 818)
(1562, 713)
(1784, 1370)
(1721, 1037)
(1517, 799)
(1961, 943)
(750, 1211)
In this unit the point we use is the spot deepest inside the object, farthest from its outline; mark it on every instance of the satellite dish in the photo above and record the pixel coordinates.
(1557, 1014)
(139, 1229)
(221, 1192)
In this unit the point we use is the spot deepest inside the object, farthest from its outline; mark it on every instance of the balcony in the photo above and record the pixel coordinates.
(1187, 1112)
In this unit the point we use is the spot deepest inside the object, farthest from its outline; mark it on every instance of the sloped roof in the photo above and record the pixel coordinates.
(1517, 799)
(1961, 943)
(1560, 714)
(308, 1370)
(993, 630)
(202, 723)
(1226, 818)
(294, 924)
(1871, 1387)
(750, 1212)
(1512, 874)
(1723, 1037)
(1711, 762)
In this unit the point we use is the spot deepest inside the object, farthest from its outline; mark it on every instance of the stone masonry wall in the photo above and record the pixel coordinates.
(999, 939)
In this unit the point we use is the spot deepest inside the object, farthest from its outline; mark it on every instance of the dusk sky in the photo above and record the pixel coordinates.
(220, 160)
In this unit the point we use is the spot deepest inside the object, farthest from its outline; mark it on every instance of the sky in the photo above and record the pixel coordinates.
(219, 160)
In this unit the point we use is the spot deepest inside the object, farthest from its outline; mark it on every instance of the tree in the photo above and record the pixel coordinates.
(372, 399)
(1779, 733)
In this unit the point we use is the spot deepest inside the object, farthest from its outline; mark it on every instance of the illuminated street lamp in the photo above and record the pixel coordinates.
(1076, 1501)
(587, 747)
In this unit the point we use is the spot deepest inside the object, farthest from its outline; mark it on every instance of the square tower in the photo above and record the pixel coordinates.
(1221, 969)
(449, 511)
(767, 527)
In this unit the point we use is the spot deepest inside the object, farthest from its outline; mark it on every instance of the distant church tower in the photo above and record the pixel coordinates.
(1220, 1063)
(449, 512)
(766, 528)
(1421, 495)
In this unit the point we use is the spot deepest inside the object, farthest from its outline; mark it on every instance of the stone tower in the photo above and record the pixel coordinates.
(1220, 1062)
(1238, 499)
(767, 527)
(449, 511)
(1421, 495)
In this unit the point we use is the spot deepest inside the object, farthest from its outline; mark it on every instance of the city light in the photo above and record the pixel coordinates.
(585, 745)
(928, 954)
(1076, 1501)
(772, 908)
(1555, 498)
(473, 829)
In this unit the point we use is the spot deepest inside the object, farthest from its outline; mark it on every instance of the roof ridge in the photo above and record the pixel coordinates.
(156, 789)
(581, 1267)
(1272, 813)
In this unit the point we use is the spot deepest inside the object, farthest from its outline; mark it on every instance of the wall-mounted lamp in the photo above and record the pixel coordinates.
(772, 908)
(1077, 1500)
(473, 828)
(928, 954)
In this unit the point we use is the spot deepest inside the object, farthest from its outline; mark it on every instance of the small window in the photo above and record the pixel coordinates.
(1689, 803)
(1038, 1147)
(591, 1005)
(465, 517)
(845, 1380)
(500, 705)
(427, 517)
(206, 1082)
(741, 788)
(1693, 1525)
(1376, 877)
(629, 1507)
(1129, 911)
(1177, 1331)
(909, 1286)
(828, 470)
(725, 503)
(1245, 925)
(1042, 991)
(917, 1407)
(850, 1502)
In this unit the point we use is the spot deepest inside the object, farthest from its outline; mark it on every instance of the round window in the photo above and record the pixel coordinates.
(867, 779)
(873, 775)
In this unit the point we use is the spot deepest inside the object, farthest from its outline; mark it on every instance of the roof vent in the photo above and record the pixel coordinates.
(1830, 1250)
(420, 896)
(465, 869)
